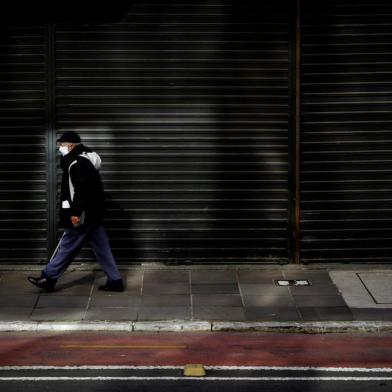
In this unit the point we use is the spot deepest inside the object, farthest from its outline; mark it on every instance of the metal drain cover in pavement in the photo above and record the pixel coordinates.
(292, 282)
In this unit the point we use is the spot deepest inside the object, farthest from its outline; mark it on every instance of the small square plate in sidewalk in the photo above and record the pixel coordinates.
(292, 282)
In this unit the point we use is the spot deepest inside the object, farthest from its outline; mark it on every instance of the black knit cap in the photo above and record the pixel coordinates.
(69, 137)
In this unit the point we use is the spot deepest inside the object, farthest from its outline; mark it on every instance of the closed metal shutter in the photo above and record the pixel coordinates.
(346, 176)
(187, 104)
(23, 191)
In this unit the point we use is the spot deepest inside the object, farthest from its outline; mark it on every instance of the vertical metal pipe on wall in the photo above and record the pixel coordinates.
(297, 129)
(294, 132)
(51, 135)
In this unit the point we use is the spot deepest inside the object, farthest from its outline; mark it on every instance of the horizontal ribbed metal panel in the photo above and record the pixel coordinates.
(23, 198)
(346, 171)
(187, 103)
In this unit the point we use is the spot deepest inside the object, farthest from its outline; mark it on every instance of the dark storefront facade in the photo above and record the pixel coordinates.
(210, 154)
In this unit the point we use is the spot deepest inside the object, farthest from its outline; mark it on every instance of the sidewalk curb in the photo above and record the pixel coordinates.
(198, 326)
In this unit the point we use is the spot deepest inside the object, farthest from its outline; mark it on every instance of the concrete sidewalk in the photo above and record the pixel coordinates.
(202, 298)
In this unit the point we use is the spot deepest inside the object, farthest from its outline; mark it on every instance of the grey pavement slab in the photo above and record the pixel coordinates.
(328, 313)
(217, 299)
(316, 289)
(268, 300)
(116, 301)
(208, 312)
(61, 301)
(132, 281)
(379, 285)
(355, 292)
(319, 300)
(166, 300)
(316, 277)
(166, 288)
(58, 314)
(12, 313)
(23, 300)
(16, 282)
(209, 295)
(272, 313)
(164, 313)
(257, 277)
(213, 276)
(263, 289)
(166, 276)
(215, 288)
(372, 314)
(115, 314)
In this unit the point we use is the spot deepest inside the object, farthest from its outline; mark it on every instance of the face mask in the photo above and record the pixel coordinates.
(63, 150)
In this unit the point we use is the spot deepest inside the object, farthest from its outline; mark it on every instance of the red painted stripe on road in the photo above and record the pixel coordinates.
(236, 349)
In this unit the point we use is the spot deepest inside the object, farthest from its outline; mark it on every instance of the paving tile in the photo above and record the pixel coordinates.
(213, 276)
(331, 313)
(368, 314)
(72, 290)
(349, 284)
(133, 285)
(163, 276)
(58, 314)
(126, 292)
(13, 282)
(18, 300)
(166, 288)
(316, 289)
(319, 277)
(215, 288)
(268, 300)
(364, 302)
(273, 313)
(75, 283)
(166, 300)
(62, 301)
(379, 285)
(263, 289)
(335, 313)
(164, 313)
(15, 313)
(260, 276)
(73, 276)
(227, 313)
(217, 300)
(114, 301)
(132, 277)
(115, 314)
(318, 301)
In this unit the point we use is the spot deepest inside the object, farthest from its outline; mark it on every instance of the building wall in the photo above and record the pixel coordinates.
(190, 105)
(346, 132)
(187, 103)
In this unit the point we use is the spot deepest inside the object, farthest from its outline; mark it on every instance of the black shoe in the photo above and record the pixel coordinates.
(112, 285)
(43, 283)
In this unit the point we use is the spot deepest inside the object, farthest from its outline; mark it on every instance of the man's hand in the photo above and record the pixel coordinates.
(75, 220)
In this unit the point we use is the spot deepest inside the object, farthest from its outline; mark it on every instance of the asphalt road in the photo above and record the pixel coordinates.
(171, 379)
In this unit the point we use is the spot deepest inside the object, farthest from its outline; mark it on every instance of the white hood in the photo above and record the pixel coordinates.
(94, 158)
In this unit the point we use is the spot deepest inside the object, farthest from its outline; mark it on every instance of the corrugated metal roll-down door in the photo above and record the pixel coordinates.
(346, 173)
(23, 192)
(187, 103)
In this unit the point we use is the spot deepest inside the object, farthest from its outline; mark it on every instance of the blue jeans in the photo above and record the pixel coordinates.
(72, 242)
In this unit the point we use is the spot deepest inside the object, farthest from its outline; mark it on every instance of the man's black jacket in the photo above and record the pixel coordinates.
(83, 165)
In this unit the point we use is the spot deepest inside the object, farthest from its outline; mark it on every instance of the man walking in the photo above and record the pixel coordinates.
(82, 210)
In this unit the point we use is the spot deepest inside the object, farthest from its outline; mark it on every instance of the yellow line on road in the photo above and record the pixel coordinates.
(122, 346)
